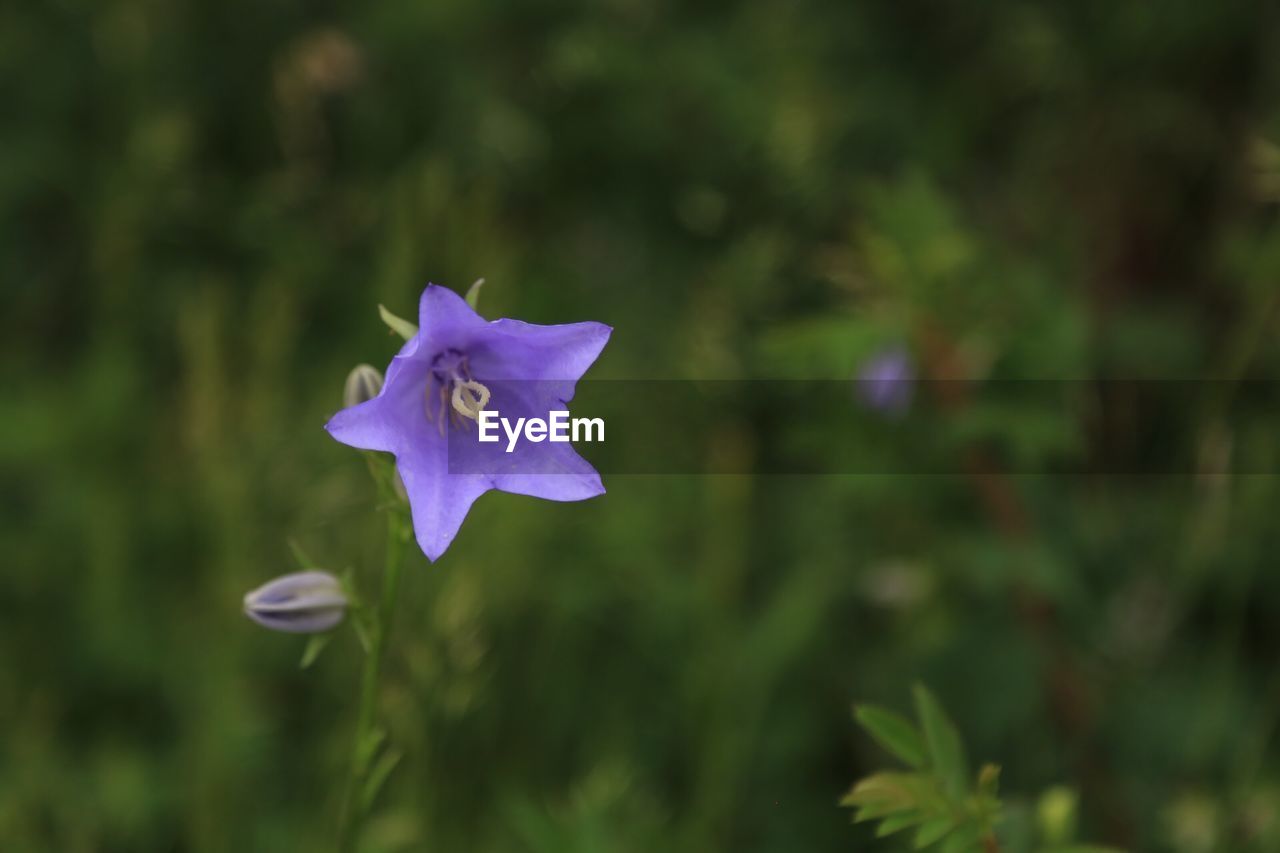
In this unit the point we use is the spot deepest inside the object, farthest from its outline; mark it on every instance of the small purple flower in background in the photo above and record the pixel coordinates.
(300, 603)
(886, 381)
(455, 366)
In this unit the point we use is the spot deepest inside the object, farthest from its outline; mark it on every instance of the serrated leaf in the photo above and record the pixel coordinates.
(399, 325)
(314, 647)
(378, 775)
(894, 732)
(946, 750)
(896, 824)
(473, 294)
(932, 832)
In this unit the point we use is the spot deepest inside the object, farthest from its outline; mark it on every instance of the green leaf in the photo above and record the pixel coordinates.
(985, 803)
(893, 795)
(301, 556)
(901, 788)
(368, 747)
(877, 809)
(897, 823)
(359, 622)
(932, 832)
(347, 577)
(1085, 848)
(473, 294)
(314, 647)
(966, 839)
(946, 751)
(893, 732)
(400, 326)
(378, 775)
(989, 780)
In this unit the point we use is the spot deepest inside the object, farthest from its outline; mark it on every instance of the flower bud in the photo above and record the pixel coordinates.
(1056, 814)
(299, 603)
(364, 383)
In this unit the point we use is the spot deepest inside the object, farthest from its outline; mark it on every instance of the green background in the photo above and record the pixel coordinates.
(201, 204)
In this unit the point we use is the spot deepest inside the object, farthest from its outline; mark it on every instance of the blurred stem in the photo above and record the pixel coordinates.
(1244, 349)
(1065, 689)
(364, 747)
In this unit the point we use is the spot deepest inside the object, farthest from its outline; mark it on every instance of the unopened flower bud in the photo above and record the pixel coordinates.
(1056, 813)
(299, 603)
(364, 383)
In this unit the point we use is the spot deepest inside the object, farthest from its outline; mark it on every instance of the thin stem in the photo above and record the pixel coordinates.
(364, 747)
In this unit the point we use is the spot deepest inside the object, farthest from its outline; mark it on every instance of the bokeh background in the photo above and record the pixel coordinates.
(201, 204)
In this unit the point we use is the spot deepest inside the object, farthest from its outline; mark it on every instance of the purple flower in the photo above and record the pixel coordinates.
(300, 603)
(885, 381)
(454, 367)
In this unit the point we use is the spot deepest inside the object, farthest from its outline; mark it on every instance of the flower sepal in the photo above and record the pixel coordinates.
(397, 324)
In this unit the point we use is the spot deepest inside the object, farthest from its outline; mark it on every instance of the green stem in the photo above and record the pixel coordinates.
(354, 806)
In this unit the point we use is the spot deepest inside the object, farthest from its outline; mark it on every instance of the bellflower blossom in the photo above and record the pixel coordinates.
(885, 381)
(457, 365)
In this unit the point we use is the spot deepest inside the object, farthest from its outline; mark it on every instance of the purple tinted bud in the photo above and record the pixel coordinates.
(886, 381)
(300, 603)
(364, 383)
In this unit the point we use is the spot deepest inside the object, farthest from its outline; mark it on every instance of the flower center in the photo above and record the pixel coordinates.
(453, 389)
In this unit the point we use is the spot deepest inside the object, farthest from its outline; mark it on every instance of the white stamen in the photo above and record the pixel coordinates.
(470, 398)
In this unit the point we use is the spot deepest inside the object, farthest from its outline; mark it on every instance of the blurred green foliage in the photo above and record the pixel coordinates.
(202, 204)
(935, 799)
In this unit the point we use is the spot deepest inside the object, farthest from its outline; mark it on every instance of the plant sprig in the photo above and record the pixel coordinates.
(947, 808)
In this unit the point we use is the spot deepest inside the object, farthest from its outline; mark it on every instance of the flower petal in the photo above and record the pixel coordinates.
(438, 500)
(444, 314)
(384, 422)
(363, 426)
(311, 619)
(548, 469)
(519, 350)
(556, 473)
(291, 586)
